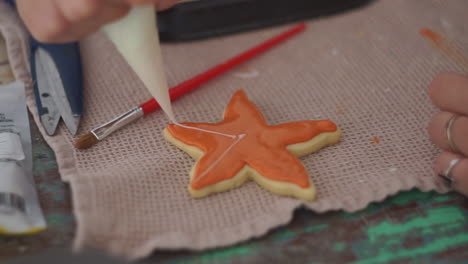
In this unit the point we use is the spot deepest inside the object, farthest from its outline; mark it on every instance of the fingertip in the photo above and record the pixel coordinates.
(459, 172)
(43, 20)
(117, 12)
(80, 10)
(446, 88)
(437, 84)
(50, 31)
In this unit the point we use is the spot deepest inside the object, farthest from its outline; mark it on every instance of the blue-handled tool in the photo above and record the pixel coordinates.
(57, 76)
(58, 83)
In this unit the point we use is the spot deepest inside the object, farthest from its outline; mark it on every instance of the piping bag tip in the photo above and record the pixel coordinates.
(136, 38)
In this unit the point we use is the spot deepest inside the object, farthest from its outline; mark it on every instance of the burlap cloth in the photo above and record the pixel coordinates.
(367, 70)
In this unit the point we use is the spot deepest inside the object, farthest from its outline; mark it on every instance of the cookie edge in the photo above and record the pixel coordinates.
(280, 188)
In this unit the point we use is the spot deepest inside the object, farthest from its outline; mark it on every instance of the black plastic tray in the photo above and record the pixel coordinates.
(200, 19)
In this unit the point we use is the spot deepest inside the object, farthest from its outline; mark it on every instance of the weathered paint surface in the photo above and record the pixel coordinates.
(413, 227)
(409, 227)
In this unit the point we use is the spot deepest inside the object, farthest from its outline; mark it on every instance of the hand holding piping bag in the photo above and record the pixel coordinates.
(58, 21)
(129, 24)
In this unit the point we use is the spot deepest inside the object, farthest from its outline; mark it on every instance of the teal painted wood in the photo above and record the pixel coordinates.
(411, 227)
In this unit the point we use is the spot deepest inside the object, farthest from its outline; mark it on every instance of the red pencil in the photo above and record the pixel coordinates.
(99, 133)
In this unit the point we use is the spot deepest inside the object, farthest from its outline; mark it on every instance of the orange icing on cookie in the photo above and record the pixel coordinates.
(263, 147)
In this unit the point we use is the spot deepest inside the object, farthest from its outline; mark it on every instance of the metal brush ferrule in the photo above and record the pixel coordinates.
(117, 123)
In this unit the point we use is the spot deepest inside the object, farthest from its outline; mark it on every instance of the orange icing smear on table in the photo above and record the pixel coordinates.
(430, 34)
(263, 147)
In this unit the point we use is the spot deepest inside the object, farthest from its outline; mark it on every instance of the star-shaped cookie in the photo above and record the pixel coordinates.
(243, 146)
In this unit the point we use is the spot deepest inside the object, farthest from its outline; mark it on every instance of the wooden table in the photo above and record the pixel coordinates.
(410, 227)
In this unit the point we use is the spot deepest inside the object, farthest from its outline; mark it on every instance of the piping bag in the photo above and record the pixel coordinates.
(136, 38)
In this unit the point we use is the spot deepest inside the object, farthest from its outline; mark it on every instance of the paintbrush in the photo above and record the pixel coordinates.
(99, 133)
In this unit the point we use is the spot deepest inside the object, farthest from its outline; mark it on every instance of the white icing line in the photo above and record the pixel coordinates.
(247, 75)
(204, 130)
(239, 138)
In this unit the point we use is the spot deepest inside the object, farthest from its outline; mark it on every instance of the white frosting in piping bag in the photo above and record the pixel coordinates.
(136, 38)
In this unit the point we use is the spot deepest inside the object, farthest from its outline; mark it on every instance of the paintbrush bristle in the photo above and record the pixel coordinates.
(86, 141)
